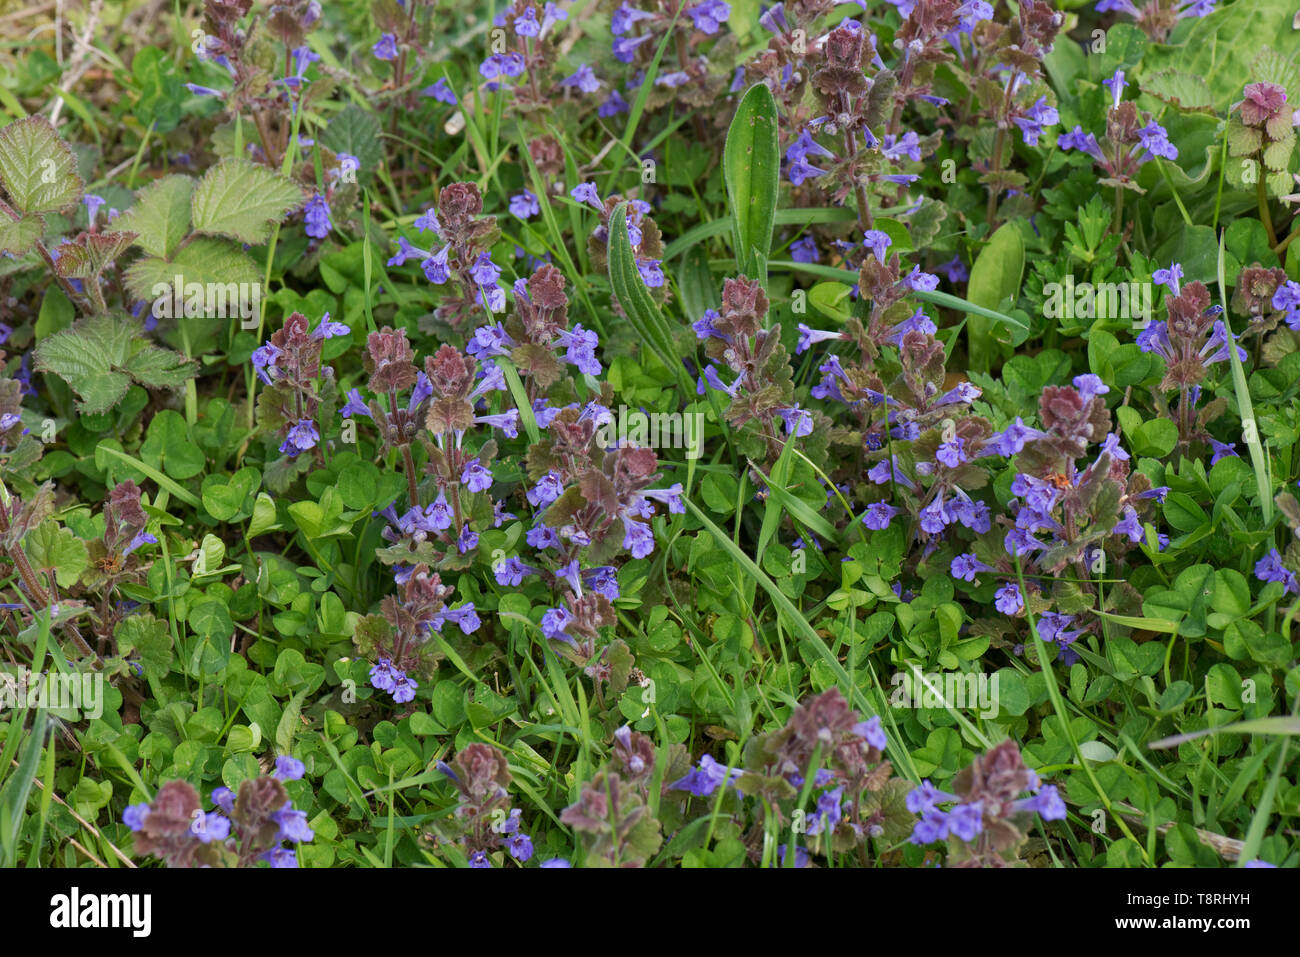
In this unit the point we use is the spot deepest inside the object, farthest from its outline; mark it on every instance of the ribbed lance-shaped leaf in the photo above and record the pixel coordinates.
(100, 356)
(239, 199)
(752, 168)
(642, 311)
(18, 237)
(161, 215)
(994, 277)
(37, 169)
(87, 255)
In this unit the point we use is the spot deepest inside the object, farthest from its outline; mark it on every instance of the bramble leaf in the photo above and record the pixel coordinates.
(241, 200)
(161, 215)
(20, 236)
(87, 255)
(37, 168)
(205, 260)
(100, 356)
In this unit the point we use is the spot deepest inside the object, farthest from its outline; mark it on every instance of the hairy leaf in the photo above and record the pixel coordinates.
(38, 169)
(241, 200)
(160, 216)
(18, 237)
(100, 356)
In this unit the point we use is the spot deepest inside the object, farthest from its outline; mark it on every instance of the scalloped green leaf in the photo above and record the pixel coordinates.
(1221, 47)
(56, 549)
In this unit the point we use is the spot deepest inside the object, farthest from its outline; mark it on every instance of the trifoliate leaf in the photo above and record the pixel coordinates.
(169, 447)
(87, 255)
(160, 216)
(241, 200)
(37, 169)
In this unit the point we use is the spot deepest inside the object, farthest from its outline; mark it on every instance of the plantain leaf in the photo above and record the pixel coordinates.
(642, 312)
(695, 282)
(994, 277)
(752, 168)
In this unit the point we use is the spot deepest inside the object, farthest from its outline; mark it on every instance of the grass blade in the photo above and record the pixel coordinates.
(800, 624)
(947, 300)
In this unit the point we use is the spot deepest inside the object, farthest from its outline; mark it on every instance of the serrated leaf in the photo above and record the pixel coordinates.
(356, 131)
(1243, 140)
(94, 356)
(752, 169)
(1270, 66)
(37, 169)
(241, 200)
(18, 237)
(203, 261)
(1186, 91)
(160, 216)
(88, 255)
(158, 367)
(1278, 155)
(1219, 46)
